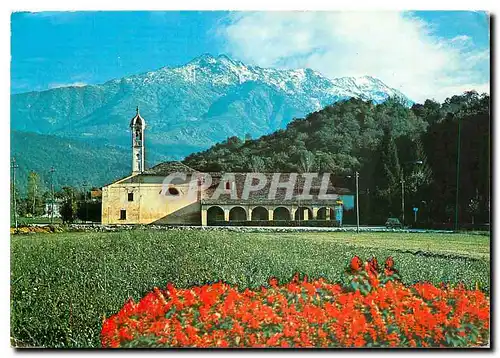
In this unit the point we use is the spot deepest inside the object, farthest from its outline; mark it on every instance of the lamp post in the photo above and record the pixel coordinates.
(458, 174)
(402, 198)
(357, 202)
(356, 176)
(85, 201)
(298, 210)
(403, 189)
(52, 192)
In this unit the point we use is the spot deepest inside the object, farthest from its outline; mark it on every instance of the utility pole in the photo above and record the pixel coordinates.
(14, 166)
(34, 195)
(356, 180)
(52, 191)
(357, 202)
(403, 188)
(458, 174)
(299, 209)
(402, 198)
(85, 201)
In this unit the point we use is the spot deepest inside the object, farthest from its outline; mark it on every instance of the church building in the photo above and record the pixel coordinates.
(145, 197)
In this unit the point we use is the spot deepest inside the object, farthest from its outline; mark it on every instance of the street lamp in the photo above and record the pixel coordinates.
(458, 174)
(403, 188)
(356, 175)
(85, 201)
(14, 166)
(34, 197)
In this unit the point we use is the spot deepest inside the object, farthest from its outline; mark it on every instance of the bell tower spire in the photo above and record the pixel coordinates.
(137, 126)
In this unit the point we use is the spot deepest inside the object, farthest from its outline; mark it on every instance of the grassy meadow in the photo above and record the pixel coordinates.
(63, 284)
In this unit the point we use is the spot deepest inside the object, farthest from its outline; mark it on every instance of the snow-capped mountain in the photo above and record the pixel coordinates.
(190, 107)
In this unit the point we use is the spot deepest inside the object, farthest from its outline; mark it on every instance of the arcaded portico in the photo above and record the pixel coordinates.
(216, 214)
(232, 208)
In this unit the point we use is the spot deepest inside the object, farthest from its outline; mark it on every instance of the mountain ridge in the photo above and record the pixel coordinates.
(204, 59)
(188, 108)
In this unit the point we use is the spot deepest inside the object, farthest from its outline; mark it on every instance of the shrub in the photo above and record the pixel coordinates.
(373, 310)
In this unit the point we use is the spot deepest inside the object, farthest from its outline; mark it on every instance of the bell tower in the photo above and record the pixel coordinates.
(137, 126)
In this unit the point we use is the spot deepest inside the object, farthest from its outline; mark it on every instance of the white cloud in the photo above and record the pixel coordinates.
(400, 49)
(73, 84)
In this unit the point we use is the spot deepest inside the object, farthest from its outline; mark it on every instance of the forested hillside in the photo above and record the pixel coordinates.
(384, 142)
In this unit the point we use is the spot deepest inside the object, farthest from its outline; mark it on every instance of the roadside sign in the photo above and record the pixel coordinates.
(415, 209)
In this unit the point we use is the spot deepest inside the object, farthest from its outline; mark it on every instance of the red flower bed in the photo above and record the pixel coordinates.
(374, 310)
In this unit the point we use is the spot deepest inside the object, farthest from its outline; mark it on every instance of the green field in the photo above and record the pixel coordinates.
(63, 284)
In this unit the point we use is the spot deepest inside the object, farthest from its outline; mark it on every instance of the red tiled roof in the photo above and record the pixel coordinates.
(262, 196)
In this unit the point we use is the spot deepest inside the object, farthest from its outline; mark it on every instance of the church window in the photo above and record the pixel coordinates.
(130, 196)
(123, 214)
(173, 191)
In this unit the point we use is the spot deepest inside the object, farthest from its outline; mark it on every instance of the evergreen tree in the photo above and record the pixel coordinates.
(69, 206)
(420, 175)
(473, 207)
(306, 161)
(257, 165)
(325, 163)
(388, 180)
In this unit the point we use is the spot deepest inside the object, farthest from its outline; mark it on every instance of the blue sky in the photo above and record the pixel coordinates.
(424, 54)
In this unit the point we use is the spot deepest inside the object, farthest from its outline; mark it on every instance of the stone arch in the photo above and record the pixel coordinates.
(237, 213)
(299, 214)
(281, 213)
(215, 214)
(322, 213)
(260, 213)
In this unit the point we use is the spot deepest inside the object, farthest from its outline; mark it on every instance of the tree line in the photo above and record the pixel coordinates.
(35, 201)
(395, 148)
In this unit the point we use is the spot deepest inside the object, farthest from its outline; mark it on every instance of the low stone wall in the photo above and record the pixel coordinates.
(116, 228)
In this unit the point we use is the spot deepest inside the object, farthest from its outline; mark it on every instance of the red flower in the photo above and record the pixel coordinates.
(125, 334)
(273, 341)
(373, 265)
(359, 342)
(389, 263)
(189, 298)
(311, 290)
(223, 343)
(273, 282)
(356, 263)
(305, 314)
